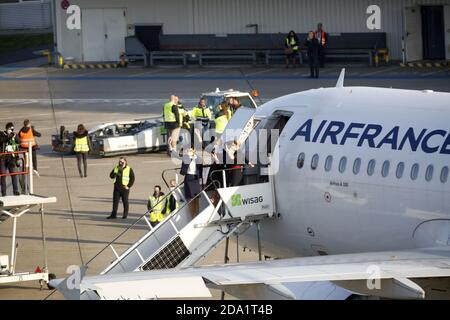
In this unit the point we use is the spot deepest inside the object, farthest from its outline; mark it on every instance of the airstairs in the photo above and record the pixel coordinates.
(181, 240)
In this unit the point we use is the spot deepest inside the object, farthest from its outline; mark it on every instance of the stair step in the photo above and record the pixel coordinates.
(249, 218)
(169, 257)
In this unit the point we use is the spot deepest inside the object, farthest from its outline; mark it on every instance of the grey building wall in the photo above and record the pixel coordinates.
(25, 15)
(232, 16)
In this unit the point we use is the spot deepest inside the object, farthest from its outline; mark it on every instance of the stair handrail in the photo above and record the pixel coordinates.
(133, 224)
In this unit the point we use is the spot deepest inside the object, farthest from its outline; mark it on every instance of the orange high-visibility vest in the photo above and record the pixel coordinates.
(27, 138)
(322, 38)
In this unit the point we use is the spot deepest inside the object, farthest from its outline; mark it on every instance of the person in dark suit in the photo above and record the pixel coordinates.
(312, 44)
(192, 170)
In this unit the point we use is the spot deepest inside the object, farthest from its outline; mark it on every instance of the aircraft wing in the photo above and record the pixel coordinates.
(383, 274)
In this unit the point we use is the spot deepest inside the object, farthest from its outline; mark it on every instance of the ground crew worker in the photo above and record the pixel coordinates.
(202, 115)
(291, 48)
(172, 122)
(123, 179)
(322, 37)
(28, 136)
(82, 146)
(222, 118)
(8, 162)
(201, 111)
(156, 206)
(184, 117)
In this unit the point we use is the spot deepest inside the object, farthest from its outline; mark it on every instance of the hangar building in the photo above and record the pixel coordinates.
(425, 24)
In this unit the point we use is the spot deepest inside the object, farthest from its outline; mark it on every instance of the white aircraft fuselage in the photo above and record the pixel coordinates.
(386, 187)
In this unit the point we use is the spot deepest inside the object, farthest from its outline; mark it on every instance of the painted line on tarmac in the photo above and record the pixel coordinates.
(156, 161)
(30, 74)
(90, 73)
(144, 73)
(381, 71)
(229, 78)
(257, 72)
(435, 72)
(196, 74)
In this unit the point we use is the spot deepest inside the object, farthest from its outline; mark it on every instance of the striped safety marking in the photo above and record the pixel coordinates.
(425, 64)
(92, 66)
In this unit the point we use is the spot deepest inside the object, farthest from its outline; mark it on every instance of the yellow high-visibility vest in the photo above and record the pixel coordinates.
(169, 116)
(182, 112)
(292, 43)
(199, 112)
(221, 123)
(125, 175)
(168, 211)
(157, 206)
(81, 145)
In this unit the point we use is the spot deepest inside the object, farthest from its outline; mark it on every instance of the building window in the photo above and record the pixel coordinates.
(400, 170)
(429, 173)
(328, 163)
(371, 167)
(414, 171)
(315, 162)
(357, 166)
(444, 174)
(342, 164)
(301, 160)
(385, 169)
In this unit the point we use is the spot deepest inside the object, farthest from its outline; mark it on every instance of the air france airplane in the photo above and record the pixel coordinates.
(362, 194)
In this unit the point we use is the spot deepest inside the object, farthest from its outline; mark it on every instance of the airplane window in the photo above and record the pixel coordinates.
(385, 169)
(328, 163)
(371, 167)
(444, 174)
(357, 165)
(315, 162)
(429, 173)
(414, 171)
(400, 170)
(342, 164)
(301, 160)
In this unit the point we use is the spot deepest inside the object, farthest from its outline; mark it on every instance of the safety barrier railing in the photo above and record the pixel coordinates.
(23, 160)
(140, 219)
(170, 226)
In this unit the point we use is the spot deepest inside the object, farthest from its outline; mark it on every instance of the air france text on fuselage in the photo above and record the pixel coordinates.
(372, 135)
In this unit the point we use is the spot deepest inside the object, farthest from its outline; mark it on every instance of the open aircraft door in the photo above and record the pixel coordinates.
(240, 126)
(413, 42)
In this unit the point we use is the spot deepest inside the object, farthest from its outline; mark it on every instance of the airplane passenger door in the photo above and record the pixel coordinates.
(413, 34)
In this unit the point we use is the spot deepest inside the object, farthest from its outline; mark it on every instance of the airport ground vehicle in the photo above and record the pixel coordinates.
(139, 136)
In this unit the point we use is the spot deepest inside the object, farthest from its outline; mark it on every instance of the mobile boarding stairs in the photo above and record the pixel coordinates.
(180, 240)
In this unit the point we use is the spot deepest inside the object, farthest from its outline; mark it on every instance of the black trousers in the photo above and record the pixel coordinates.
(120, 193)
(314, 70)
(235, 177)
(321, 57)
(82, 156)
(11, 166)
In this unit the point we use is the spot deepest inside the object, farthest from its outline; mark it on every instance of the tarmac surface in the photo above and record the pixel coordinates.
(76, 226)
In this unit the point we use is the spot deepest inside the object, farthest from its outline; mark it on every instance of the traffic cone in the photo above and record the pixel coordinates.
(38, 270)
